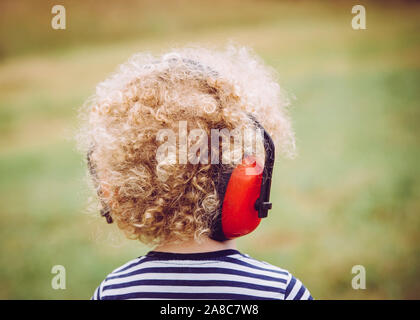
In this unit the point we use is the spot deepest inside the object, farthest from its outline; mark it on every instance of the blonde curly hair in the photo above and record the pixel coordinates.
(161, 202)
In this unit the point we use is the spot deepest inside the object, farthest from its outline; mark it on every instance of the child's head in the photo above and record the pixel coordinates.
(157, 200)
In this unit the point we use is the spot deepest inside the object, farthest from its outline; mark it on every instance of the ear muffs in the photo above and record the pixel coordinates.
(239, 216)
(245, 194)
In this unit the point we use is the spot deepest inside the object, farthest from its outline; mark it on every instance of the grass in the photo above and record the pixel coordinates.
(350, 198)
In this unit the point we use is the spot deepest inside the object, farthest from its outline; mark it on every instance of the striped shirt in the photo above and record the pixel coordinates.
(224, 274)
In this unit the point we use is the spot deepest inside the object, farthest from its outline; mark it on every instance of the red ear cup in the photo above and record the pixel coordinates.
(239, 216)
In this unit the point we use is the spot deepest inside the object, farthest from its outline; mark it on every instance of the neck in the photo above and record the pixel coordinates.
(192, 246)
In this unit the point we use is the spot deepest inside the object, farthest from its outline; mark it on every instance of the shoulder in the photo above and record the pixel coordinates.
(294, 289)
(123, 271)
(260, 266)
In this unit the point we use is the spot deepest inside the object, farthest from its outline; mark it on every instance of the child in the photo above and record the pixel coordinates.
(147, 136)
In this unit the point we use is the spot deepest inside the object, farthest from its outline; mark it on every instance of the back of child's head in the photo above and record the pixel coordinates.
(160, 199)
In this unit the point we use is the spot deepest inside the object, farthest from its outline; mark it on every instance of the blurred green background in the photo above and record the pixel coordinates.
(352, 197)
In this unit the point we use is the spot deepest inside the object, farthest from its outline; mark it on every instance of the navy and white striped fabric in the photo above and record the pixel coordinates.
(225, 274)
